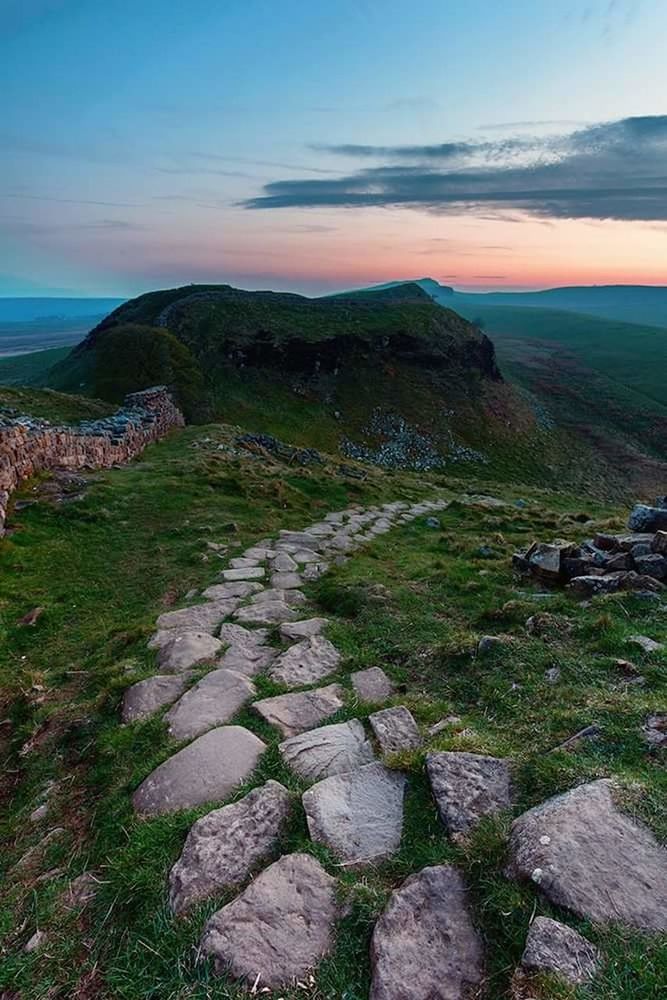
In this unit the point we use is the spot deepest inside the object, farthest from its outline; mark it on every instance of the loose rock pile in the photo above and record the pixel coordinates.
(580, 849)
(29, 445)
(606, 563)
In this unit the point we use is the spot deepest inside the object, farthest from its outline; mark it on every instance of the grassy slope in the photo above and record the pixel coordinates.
(29, 369)
(58, 407)
(86, 564)
(632, 355)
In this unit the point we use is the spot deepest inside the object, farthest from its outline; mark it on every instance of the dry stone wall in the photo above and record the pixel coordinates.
(29, 445)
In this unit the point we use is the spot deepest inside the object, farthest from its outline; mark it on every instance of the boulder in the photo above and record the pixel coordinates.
(372, 685)
(283, 563)
(146, 697)
(357, 815)
(654, 565)
(199, 617)
(204, 771)
(186, 650)
(327, 750)
(646, 644)
(395, 729)
(293, 598)
(647, 519)
(589, 857)
(300, 710)
(303, 629)
(467, 787)
(222, 591)
(243, 573)
(279, 928)
(286, 581)
(226, 845)
(306, 662)
(554, 947)
(248, 660)
(266, 613)
(213, 701)
(655, 730)
(425, 945)
(544, 560)
(659, 543)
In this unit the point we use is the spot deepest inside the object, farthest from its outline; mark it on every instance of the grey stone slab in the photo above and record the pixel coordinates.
(199, 617)
(424, 946)
(146, 697)
(226, 845)
(305, 662)
(266, 613)
(306, 556)
(303, 629)
(207, 770)
(467, 787)
(372, 685)
(283, 563)
(244, 573)
(213, 701)
(588, 856)
(293, 598)
(314, 571)
(554, 947)
(279, 928)
(260, 552)
(395, 729)
(225, 591)
(357, 815)
(248, 660)
(286, 581)
(232, 634)
(187, 649)
(327, 750)
(243, 562)
(302, 540)
(300, 710)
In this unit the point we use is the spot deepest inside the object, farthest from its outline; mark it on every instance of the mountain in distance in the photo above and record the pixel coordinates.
(29, 310)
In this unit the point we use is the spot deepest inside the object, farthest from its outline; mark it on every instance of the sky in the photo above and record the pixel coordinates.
(316, 146)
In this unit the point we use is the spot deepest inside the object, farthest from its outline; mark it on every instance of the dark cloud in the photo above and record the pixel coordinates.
(614, 170)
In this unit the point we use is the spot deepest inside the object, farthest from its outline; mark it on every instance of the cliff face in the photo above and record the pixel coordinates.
(224, 326)
(29, 446)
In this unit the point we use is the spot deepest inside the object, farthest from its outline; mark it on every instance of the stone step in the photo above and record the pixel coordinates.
(305, 662)
(213, 701)
(327, 750)
(300, 710)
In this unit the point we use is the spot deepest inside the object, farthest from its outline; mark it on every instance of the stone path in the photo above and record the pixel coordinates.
(579, 849)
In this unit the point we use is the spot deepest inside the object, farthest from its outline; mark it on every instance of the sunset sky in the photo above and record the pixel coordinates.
(314, 146)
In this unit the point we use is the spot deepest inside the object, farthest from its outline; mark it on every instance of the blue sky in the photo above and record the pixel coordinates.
(149, 143)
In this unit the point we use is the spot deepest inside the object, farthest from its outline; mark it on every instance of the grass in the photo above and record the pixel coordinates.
(415, 602)
(26, 369)
(48, 404)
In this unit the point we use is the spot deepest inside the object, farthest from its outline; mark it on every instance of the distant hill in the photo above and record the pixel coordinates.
(27, 310)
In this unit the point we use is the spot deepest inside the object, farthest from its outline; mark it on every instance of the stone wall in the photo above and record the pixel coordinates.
(29, 446)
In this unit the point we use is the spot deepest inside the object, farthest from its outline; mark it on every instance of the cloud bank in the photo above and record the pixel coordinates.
(614, 170)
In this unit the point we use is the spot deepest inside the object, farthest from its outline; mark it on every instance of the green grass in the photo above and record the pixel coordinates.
(414, 602)
(52, 405)
(26, 369)
(629, 354)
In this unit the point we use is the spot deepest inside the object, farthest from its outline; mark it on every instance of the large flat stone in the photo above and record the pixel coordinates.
(243, 573)
(303, 629)
(306, 662)
(424, 946)
(328, 750)
(358, 815)
(207, 770)
(213, 701)
(224, 591)
(372, 685)
(146, 697)
(591, 858)
(302, 540)
(300, 710)
(186, 650)
(293, 598)
(238, 635)
(267, 613)
(286, 581)
(198, 617)
(223, 847)
(467, 787)
(395, 729)
(279, 928)
(248, 660)
(554, 947)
